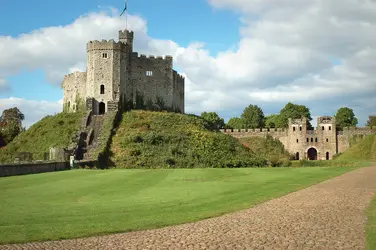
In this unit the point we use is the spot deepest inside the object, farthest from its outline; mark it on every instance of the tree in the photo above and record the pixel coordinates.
(273, 121)
(371, 121)
(11, 124)
(294, 111)
(345, 117)
(213, 119)
(253, 116)
(236, 123)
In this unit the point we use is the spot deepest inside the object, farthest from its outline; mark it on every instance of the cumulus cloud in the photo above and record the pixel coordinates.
(317, 53)
(33, 110)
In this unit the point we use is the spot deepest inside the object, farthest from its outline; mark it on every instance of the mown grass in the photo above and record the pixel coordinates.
(49, 132)
(89, 202)
(146, 139)
(371, 226)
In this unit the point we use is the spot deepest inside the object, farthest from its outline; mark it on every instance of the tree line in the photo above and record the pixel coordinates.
(253, 117)
(10, 125)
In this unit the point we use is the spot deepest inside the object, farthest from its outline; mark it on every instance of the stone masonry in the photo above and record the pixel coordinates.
(321, 143)
(115, 75)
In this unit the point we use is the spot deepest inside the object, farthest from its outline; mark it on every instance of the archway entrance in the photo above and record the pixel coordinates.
(312, 154)
(327, 155)
(297, 156)
(102, 108)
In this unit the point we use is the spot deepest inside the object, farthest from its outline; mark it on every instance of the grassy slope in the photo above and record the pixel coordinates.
(81, 203)
(50, 131)
(147, 139)
(365, 149)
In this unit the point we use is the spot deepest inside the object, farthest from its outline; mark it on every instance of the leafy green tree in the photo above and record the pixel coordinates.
(371, 121)
(273, 121)
(236, 123)
(253, 116)
(214, 119)
(11, 124)
(294, 111)
(345, 117)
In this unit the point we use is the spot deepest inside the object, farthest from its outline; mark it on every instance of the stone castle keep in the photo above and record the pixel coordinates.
(319, 144)
(115, 75)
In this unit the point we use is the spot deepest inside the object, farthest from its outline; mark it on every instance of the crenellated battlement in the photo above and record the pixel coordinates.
(126, 34)
(105, 45)
(71, 78)
(360, 128)
(166, 58)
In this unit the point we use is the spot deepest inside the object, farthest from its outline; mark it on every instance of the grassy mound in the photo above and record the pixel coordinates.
(147, 139)
(365, 149)
(50, 131)
(269, 148)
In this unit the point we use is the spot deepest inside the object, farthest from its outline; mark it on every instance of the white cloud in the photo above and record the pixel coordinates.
(286, 53)
(33, 110)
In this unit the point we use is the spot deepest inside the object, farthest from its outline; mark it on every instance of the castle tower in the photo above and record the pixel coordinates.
(327, 134)
(297, 137)
(126, 37)
(106, 64)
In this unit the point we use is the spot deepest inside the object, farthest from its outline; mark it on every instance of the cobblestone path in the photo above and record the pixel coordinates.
(329, 215)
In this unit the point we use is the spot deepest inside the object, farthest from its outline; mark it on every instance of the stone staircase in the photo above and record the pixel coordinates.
(93, 130)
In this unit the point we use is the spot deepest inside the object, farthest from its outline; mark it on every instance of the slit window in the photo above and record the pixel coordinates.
(102, 89)
(311, 139)
(300, 128)
(330, 127)
(104, 55)
(327, 140)
(297, 140)
(322, 128)
(316, 140)
(307, 140)
(293, 128)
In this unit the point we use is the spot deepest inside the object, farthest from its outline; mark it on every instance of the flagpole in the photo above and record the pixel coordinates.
(126, 19)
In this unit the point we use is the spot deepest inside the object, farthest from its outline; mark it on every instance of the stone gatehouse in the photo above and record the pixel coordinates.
(322, 143)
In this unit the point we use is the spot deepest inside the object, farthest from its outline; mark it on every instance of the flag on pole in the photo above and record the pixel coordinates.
(125, 8)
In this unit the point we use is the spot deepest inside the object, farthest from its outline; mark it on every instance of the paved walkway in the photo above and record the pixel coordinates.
(329, 215)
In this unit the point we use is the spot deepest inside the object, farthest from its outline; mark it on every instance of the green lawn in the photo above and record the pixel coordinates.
(82, 202)
(371, 225)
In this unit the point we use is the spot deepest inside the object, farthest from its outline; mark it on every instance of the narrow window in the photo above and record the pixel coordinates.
(311, 139)
(104, 55)
(102, 89)
(316, 140)
(307, 140)
(327, 140)
(297, 140)
(322, 128)
(293, 128)
(330, 127)
(300, 128)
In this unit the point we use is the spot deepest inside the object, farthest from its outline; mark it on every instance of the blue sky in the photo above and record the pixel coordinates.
(232, 53)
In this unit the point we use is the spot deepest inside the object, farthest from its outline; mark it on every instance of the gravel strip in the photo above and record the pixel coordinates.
(329, 215)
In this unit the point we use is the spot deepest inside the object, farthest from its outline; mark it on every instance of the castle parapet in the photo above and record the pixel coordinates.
(105, 45)
(239, 133)
(157, 59)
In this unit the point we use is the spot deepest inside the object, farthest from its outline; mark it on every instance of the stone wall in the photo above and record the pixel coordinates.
(32, 168)
(74, 86)
(298, 140)
(178, 92)
(152, 78)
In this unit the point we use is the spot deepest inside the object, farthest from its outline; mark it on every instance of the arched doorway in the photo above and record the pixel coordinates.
(102, 108)
(312, 154)
(327, 155)
(297, 156)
